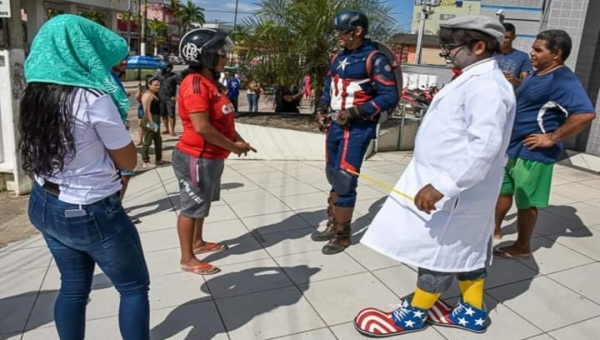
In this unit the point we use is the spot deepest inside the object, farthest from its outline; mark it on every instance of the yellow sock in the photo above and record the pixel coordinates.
(423, 299)
(472, 292)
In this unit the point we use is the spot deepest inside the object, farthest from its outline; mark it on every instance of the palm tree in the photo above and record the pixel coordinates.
(129, 16)
(94, 16)
(175, 6)
(295, 37)
(159, 30)
(191, 13)
(51, 13)
(158, 27)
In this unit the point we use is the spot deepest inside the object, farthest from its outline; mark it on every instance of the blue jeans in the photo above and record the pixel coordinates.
(252, 102)
(103, 235)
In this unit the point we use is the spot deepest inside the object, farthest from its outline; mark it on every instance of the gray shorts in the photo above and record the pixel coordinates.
(437, 282)
(167, 108)
(199, 182)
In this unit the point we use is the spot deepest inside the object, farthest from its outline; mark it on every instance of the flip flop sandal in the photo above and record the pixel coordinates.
(503, 254)
(202, 269)
(210, 247)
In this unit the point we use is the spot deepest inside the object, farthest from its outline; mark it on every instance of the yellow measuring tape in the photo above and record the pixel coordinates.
(381, 184)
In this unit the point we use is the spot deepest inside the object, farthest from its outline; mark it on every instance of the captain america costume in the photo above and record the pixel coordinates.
(352, 84)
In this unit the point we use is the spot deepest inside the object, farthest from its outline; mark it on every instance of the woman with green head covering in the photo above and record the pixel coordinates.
(71, 50)
(73, 140)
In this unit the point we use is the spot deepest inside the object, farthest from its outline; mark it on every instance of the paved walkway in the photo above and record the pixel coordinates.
(276, 284)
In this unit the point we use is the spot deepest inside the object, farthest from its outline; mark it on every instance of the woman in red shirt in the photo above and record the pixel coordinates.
(209, 136)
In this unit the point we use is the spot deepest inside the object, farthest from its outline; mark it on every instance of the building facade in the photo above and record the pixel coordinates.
(448, 9)
(526, 15)
(158, 11)
(405, 48)
(38, 11)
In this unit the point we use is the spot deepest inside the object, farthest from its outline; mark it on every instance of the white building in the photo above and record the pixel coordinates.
(37, 11)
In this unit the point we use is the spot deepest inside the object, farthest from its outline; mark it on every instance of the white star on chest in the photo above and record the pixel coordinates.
(479, 322)
(343, 64)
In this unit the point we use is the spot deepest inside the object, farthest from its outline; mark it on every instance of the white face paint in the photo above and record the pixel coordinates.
(458, 56)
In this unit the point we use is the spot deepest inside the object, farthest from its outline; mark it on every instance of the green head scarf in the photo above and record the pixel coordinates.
(71, 50)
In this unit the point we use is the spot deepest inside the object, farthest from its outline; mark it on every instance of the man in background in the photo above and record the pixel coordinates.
(168, 90)
(552, 106)
(233, 90)
(514, 63)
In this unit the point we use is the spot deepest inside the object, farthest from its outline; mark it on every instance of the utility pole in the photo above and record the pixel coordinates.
(143, 28)
(237, 2)
(12, 57)
(129, 24)
(424, 13)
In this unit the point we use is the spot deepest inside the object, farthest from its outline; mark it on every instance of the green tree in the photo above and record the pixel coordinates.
(159, 31)
(127, 16)
(176, 8)
(295, 37)
(158, 27)
(51, 13)
(94, 16)
(191, 13)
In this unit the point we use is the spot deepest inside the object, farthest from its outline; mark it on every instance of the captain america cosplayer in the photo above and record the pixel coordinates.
(360, 85)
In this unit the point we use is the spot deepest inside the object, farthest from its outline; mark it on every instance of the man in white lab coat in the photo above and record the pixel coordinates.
(454, 177)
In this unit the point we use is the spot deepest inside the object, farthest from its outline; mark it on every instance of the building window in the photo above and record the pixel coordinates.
(444, 17)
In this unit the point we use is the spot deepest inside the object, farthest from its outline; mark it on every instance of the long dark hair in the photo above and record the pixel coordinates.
(46, 128)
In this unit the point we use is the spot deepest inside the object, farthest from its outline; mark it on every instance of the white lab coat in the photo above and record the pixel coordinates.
(461, 150)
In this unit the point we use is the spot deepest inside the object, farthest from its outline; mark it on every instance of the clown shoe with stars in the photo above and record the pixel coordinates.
(408, 319)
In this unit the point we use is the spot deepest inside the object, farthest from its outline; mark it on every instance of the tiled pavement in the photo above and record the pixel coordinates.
(276, 284)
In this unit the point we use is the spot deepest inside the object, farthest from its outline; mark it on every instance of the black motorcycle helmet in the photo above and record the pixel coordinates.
(202, 47)
(348, 20)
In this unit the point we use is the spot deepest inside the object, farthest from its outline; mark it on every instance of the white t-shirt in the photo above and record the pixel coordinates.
(91, 175)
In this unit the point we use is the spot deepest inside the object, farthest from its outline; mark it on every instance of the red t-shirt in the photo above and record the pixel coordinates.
(198, 94)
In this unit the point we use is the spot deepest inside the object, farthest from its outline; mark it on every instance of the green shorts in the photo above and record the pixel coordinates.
(529, 181)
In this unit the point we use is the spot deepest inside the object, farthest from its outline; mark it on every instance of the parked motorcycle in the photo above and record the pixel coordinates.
(417, 101)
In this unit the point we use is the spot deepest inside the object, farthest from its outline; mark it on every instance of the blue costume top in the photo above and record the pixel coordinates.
(348, 83)
(543, 105)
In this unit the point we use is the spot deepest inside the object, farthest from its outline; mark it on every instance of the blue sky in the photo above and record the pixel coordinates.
(224, 10)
